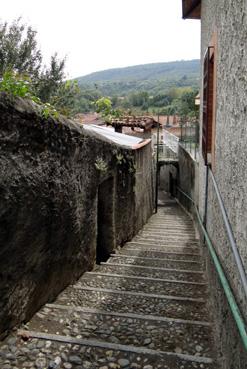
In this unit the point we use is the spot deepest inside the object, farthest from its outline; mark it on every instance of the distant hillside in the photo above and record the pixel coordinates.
(154, 78)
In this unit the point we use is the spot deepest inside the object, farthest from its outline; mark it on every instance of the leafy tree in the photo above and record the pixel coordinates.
(187, 105)
(18, 49)
(64, 97)
(50, 79)
(20, 56)
(104, 107)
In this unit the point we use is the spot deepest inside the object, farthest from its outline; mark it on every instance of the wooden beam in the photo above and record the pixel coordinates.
(188, 8)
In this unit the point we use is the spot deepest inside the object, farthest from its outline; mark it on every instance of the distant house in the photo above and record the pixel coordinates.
(223, 156)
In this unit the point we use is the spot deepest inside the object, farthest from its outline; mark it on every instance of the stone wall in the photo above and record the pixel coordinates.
(228, 21)
(57, 183)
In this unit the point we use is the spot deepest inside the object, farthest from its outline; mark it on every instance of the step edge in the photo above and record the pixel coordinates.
(129, 315)
(113, 346)
(144, 278)
(132, 293)
(156, 251)
(147, 258)
(155, 268)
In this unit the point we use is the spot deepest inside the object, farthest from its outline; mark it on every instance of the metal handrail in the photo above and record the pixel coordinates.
(229, 231)
(226, 287)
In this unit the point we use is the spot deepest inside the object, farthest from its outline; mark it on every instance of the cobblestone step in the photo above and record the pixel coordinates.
(172, 227)
(127, 329)
(155, 225)
(45, 350)
(165, 238)
(167, 242)
(151, 252)
(140, 303)
(168, 247)
(170, 218)
(145, 308)
(144, 284)
(142, 271)
(154, 262)
(166, 232)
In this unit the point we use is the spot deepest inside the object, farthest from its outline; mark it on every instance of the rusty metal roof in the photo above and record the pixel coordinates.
(191, 9)
(144, 122)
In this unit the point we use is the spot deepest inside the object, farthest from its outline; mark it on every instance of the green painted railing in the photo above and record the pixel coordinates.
(224, 282)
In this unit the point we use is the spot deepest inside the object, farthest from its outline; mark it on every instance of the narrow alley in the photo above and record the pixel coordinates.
(146, 307)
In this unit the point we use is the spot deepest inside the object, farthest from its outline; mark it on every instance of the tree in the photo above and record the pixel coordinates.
(50, 79)
(104, 107)
(187, 105)
(20, 56)
(18, 49)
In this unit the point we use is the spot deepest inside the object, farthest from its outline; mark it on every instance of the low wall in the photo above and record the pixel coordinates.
(50, 175)
(187, 178)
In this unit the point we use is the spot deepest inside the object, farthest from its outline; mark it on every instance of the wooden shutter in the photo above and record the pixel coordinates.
(207, 118)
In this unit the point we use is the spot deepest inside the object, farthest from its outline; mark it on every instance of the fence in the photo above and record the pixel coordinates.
(189, 137)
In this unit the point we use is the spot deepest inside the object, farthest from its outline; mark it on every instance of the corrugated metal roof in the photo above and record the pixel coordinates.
(118, 138)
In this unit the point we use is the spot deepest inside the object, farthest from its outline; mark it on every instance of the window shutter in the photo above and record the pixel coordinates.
(207, 118)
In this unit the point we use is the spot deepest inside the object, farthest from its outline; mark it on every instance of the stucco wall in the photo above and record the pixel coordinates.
(49, 192)
(187, 179)
(229, 20)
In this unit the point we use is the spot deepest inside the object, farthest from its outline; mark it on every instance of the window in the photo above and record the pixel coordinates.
(208, 102)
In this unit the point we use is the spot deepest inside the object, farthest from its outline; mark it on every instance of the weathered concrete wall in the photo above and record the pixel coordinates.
(187, 179)
(164, 179)
(229, 20)
(49, 204)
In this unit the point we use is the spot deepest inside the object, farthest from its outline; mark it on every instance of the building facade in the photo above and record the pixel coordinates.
(223, 152)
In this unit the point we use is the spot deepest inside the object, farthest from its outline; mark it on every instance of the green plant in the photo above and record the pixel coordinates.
(15, 84)
(49, 111)
(132, 168)
(21, 86)
(120, 159)
(24, 75)
(104, 107)
(101, 165)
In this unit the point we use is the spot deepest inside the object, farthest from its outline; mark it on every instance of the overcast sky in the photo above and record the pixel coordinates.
(103, 34)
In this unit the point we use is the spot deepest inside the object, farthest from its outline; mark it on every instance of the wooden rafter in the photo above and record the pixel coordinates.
(192, 9)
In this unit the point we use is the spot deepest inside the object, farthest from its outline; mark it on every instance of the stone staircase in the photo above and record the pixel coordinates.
(145, 308)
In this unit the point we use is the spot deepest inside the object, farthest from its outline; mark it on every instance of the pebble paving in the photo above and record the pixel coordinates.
(161, 335)
(136, 304)
(145, 308)
(146, 286)
(168, 246)
(146, 272)
(159, 263)
(152, 253)
(40, 354)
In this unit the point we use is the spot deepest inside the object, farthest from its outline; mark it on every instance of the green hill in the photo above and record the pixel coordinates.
(154, 78)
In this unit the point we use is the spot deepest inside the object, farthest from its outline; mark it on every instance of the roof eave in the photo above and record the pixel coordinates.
(191, 9)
